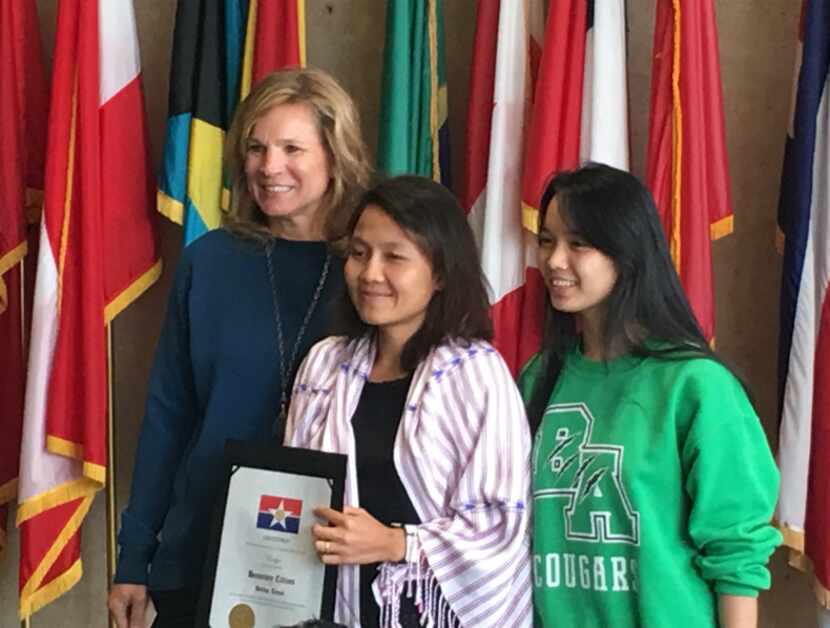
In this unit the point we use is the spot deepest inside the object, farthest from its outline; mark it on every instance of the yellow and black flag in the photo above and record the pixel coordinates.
(220, 47)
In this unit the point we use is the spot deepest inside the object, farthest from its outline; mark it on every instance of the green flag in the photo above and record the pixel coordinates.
(414, 136)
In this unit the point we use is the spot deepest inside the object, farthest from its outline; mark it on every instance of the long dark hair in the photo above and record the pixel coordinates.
(430, 214)
(615, 213)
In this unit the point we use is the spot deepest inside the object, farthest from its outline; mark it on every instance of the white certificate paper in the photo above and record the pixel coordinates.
(267, 568)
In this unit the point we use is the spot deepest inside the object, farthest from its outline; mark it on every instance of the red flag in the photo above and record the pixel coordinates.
(97, 254)
(23, 101)
(274, 39)
(686, 166)
(557, 111)
(12, 382)
(505, 58)
(280, 36)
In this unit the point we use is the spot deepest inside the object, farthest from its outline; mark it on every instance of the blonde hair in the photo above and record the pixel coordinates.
(339, 124)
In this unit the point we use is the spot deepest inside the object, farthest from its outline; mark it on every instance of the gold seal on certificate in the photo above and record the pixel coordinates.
(261, 563)
(241, 616)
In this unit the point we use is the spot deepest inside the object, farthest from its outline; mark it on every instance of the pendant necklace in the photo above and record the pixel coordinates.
(287, 368)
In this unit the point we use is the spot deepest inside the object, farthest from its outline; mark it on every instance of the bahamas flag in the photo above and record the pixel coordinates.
(414, 135)
(220, 47)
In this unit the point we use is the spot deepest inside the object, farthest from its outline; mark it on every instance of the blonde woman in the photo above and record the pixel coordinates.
(247, 302)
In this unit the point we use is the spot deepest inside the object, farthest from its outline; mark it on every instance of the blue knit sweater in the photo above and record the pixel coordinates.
(216, 376)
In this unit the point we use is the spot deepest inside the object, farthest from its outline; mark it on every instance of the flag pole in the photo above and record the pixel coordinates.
(23, 306)
(25, 622)
(110, 487)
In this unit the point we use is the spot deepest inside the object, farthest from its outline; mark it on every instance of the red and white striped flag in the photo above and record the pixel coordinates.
(505, 57)
(581, 105)
(97, 254)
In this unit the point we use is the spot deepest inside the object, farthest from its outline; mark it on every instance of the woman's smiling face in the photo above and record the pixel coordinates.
(389, 277)
(286, 164)
(578, 276)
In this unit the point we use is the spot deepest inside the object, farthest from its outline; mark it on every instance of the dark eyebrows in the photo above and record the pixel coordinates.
(388, 246)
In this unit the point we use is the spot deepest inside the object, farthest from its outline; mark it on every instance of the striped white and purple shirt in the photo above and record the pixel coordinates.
(463, 455)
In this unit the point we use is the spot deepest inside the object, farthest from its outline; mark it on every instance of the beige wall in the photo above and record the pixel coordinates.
(345, 37)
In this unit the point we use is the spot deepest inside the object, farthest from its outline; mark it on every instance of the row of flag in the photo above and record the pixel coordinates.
(93, 192)
(554, 96)
(545, 95)
(88, 168)
(553, 107)
(550, 107)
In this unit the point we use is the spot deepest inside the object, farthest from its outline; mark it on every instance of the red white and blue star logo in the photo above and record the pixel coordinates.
(279, 513)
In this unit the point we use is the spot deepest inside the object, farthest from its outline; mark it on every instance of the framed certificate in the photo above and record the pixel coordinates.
(261, 567)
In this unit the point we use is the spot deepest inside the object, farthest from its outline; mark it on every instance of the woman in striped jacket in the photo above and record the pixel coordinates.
(435, 525)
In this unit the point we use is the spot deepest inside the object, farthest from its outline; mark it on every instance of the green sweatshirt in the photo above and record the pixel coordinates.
(653, 489)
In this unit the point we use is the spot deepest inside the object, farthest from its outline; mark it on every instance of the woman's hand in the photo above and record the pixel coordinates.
(128, 605)
(356, 538)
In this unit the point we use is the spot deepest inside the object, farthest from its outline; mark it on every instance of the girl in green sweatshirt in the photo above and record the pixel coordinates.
(653, 484)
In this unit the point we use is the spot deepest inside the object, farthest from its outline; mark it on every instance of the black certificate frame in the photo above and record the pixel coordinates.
(271, 457)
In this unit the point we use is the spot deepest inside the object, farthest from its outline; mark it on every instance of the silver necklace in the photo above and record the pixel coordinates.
(286, 369)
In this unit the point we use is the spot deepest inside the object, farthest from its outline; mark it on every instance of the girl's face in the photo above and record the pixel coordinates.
(286, 165)
(389, 278)
(578, 277)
